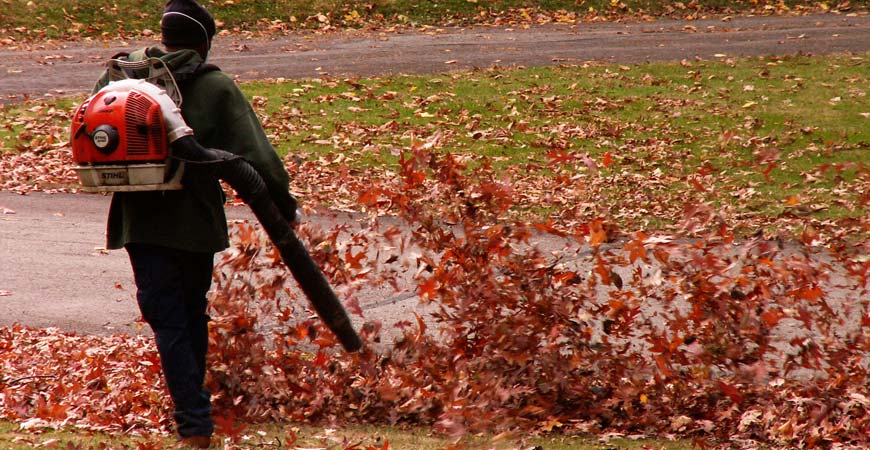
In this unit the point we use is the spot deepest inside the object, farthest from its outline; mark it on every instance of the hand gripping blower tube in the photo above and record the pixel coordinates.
(131, 136)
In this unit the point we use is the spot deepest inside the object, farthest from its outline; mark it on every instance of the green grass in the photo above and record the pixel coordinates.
(281, 436)
(727, 97)
(754, 131)
(76, 18)
(35, 125)
(733, 118)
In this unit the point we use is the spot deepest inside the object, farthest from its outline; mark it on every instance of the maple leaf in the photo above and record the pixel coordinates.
(228, 425)
(427, 288)
(597, 232)
(636, 248)
(732, 392)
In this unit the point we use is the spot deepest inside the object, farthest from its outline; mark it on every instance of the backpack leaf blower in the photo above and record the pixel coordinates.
(130, 136)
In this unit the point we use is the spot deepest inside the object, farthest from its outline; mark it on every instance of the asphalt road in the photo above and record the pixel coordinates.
(53, 271)
(71, 68)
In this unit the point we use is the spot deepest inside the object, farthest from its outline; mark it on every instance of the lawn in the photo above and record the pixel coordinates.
(69, 19)
(765, 140)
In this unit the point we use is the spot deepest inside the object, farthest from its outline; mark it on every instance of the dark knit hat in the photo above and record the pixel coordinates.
(185, 22)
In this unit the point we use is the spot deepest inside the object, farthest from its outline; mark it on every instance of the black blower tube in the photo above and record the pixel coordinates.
(242, 177)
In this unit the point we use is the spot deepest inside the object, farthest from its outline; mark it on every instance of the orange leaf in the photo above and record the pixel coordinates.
(602, 270)
(597, 232)
(636, 249)
(426, 289)
(772, 317)
(354, 260)
(812, 294)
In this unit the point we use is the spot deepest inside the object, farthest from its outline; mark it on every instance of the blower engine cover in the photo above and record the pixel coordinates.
(119, 142)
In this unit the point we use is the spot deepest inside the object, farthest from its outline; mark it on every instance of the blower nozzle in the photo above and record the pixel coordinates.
(242, 177)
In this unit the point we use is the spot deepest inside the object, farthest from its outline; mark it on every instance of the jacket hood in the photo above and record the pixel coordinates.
(181, 62)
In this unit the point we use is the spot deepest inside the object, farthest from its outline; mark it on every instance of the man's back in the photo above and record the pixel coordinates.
(193, 218)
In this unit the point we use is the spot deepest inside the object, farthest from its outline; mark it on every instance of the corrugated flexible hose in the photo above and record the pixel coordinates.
(242, 177)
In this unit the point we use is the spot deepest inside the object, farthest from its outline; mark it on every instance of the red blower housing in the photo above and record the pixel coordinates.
(119, 127)
(119, 141)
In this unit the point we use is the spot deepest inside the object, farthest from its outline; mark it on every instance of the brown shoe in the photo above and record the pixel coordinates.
(195, 442)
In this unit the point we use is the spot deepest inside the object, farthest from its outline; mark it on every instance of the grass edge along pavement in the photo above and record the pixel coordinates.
(364, 437)
(26, 22)
(629, 142)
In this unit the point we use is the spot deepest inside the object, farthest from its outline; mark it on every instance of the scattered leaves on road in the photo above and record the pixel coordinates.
(706, 338)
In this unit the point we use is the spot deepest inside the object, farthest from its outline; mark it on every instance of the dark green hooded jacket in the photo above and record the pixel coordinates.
(193, 218)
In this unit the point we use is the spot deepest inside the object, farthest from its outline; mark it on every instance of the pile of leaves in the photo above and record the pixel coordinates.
(55, 379)
(703, 338)
(708, 338)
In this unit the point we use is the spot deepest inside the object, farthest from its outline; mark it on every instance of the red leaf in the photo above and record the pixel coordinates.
(386, 446)
(548, 228)
(732, 392)
(603, 270)
(370, 197)
(812, 293)
(427, 288)
(767, 171)
(664, 365)
(772, 317)
(421, 324)
(558, 156)
(354, 260)
(353, 306)
(227, 426)
(320, 360)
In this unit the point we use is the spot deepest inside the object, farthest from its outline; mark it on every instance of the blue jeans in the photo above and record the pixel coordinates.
(171, 291)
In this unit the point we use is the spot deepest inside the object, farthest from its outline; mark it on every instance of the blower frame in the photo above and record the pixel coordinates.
(119, 135)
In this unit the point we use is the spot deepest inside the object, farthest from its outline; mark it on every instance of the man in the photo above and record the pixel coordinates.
(171, 236)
